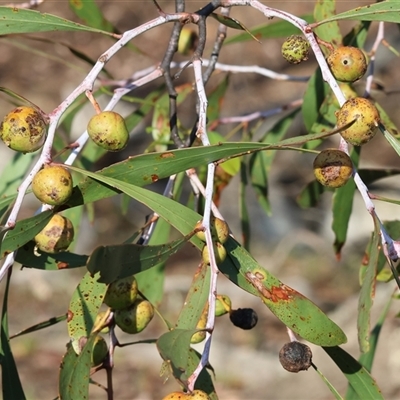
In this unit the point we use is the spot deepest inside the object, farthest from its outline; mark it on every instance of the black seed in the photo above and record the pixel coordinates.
(244, 318)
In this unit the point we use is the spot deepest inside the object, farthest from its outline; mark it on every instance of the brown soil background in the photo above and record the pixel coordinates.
(293, 244)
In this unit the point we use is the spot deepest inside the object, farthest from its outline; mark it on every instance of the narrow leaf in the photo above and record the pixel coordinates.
(391, 139)
(330, 32)
(83, 308)
(342, 207)
(160, 126)
(359, 378)
(48, 262)
(216, 99)
(366, 359)
(315, 94)
(67, 368)
(174, 347)
(311, 194)
(14, 172)
(328, 384)
(75, 372)
(11, 384)
(17, 20)
(23, 232)
(292, 308)
(367, 292)
(6, 201)
(196, 299)
(261, 162)
(385, 11)
(89, 12)
(151, 281)
(190, 360)
(149, 168)
(41, 325)
(276, 29)
(243, 205)
(119, 261)
(232, 23)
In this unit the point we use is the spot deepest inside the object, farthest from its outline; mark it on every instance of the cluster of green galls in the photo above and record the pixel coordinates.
(131, 314)
(24, 129)
(358, 116)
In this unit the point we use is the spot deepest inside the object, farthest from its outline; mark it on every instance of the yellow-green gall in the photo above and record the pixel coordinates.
(219, 230)
(108, 130)
(121, 293)
(188, 40)
(223, 305)
(366, 117)
(219, 252)
(56, 236)
(295, 49)
(333, 168)
(23, 129)
(201, 324)
(99, 351)
(53, 185)
(136, 317)
(348, 64)
(348, 92)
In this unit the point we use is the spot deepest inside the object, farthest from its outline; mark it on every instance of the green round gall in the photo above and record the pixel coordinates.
(201, 324)
(56, 236)
(200, 234)
(219, 252)
(99, 351)
(188, 40)
(53, 185)
(23, 129)
(348, 64)
(121, 293)
(295, 49)
(223, 305)
(366, 117)
(108, 130)
(219, 230)
(348, 92)
(134, 318)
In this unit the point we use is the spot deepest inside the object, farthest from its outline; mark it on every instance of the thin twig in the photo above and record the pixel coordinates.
(378, 40)
(219, 41)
